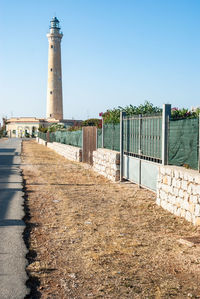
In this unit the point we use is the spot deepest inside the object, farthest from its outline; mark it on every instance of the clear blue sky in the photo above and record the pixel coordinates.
(114, 52)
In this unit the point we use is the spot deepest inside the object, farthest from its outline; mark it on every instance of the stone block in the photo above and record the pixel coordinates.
(184, 185)
(197, 210)
(181, 175)
(178, 212)
(197, 221)
(197, 179)
(197, 189)
(178, 183)
(176, 174)
(181, 193)
(158, 201)
(190, 188)
(174, 210)
(173, 200)
(192, 208)
(163, 204)
(185, 205)
(164, 180)
(166, 188)
(190, 178)
(163, 195)
(185, 175)
(194, 199)
(186, 196)
(175, 191)
(183, 213)
(188, 216)
(162, 170)
(174, 182)
(168, 171)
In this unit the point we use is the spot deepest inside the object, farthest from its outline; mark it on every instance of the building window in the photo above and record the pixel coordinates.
(51, 92)
(51, 46)
(51, 70)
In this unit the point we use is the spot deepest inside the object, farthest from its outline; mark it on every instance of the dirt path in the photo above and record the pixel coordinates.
(97, 239)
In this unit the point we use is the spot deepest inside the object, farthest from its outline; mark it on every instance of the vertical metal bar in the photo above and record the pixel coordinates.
(165, 123)
(82, 145)
(140, 131)
(154, 137)
(122, 114)
(102, 133)
(156, 132)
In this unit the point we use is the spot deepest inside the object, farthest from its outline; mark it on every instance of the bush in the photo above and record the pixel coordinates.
(92, 122)
(113, 116)
(42, 129)
(184, 113)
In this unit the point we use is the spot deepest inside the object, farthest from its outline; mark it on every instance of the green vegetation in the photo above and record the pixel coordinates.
(184, 113)
(113, 115)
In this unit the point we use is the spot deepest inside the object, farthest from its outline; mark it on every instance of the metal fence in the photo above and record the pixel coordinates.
(42, 135)
(142, 137)
(99, 138)
(71, 138)
(111, 136)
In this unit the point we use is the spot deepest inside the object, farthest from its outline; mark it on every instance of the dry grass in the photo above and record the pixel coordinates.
(98, 239)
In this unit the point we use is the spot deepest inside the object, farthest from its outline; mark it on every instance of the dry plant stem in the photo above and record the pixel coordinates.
(98, 239)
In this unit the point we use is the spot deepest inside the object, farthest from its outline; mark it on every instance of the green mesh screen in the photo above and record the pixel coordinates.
(183, 142)
(111, 136)
(70, 138)
(99, 138)
(42, 135)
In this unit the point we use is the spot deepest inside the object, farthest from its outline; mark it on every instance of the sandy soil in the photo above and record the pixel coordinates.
(90, 238)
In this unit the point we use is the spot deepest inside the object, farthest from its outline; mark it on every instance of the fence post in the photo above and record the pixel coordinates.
(48, 137)
(102, 133)
(199, 145)
(166, 113)
(122, 114)
(139, 151)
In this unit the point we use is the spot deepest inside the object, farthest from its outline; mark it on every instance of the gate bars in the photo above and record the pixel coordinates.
(145, 137)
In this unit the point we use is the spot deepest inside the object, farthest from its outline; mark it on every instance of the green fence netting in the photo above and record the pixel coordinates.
(183, 142)
(42, 135)
(71, 138)
(99, 138)
(111, 136)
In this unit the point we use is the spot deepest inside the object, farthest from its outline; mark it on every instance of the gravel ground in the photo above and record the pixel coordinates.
(90, 238)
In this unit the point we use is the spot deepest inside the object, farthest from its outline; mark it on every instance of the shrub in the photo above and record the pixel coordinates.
(113, 115)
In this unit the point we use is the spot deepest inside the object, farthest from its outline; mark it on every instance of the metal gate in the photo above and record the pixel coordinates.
(89, 144)
(143, 147)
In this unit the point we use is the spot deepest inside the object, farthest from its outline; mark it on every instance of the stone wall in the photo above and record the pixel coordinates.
(41, 141)
(178, 191)
(107, 163)
(68, 151)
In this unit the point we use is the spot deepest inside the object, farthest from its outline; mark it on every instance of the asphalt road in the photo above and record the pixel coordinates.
(12, 248)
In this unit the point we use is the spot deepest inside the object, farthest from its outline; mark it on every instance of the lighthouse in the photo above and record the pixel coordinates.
(54, 85)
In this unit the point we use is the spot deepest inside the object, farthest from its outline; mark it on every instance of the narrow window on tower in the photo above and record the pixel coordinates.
(51, 46)
(51, 70)
(51, 92)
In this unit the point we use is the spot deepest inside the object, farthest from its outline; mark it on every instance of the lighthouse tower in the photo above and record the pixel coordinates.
(54, 88)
